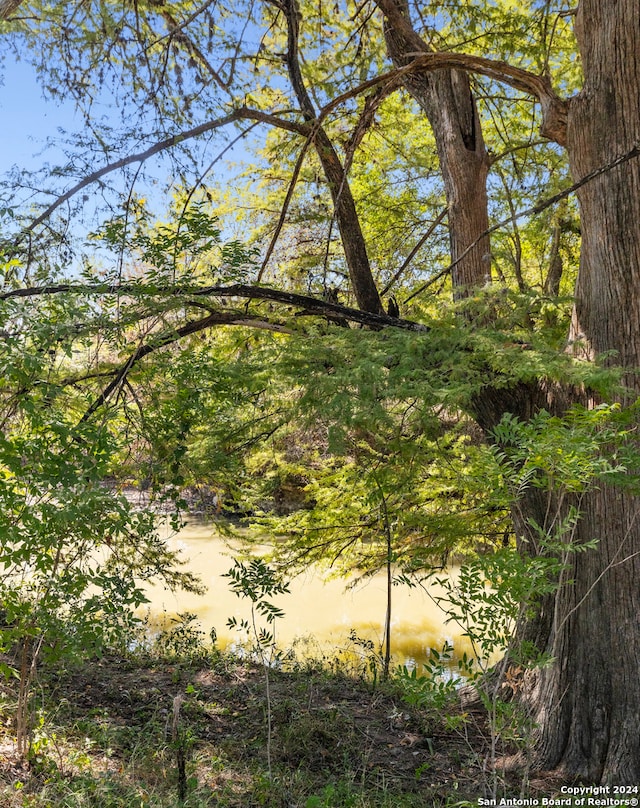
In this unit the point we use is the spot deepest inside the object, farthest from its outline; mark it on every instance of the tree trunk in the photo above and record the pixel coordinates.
(587, 704)
(604, 122)
(446, 98)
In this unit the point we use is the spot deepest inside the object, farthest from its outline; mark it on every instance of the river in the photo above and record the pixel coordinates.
(320, 611)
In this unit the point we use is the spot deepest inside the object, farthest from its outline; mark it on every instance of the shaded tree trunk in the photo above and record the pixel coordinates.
(586, 704)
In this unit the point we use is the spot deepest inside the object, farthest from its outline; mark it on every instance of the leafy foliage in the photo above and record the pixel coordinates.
(364, 448)
(256, 582)
(75, 555)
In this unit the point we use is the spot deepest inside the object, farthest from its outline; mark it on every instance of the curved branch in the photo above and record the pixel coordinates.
(516, 77)
(242, 113)
(554, 109)
(308, 304)
(237, 319)
(169, 338)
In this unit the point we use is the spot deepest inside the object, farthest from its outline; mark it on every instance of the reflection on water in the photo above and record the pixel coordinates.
(319, 613)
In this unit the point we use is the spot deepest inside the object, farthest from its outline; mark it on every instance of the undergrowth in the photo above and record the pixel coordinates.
(179, 723)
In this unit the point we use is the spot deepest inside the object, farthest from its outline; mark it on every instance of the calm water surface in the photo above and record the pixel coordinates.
(320, 612)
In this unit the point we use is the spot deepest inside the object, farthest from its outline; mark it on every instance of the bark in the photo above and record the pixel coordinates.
(587, 705)
(353, 242)
(535, 505)
(7, 7)
(554, 274)
(446, 98)
(604, 121)
(352, 238)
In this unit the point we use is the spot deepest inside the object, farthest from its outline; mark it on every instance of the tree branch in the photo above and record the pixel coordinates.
(307, 303)
(414, 251)
(237, 319)
(176, 32)
(242, 113)
(353, 241)
(285, 207)
(310, 305)
(554, 109)
(169, 338)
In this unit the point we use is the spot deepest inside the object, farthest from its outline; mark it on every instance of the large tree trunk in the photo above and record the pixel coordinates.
(587, 704)
(604, 123)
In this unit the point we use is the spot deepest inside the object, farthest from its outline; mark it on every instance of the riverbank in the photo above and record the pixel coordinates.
(123, 732)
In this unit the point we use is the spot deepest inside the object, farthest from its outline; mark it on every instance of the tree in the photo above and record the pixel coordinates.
(581, 684)
(321, 80)
(591, 733)
(75, 554)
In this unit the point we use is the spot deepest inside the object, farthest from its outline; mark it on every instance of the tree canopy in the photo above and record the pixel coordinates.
(407, 313)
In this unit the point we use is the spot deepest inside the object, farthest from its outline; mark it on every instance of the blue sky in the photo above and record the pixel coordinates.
(27, 118)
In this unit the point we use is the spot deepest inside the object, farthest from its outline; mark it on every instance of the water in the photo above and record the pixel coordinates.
(320, 612)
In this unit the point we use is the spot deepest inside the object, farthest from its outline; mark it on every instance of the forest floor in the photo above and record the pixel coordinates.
(169, 732)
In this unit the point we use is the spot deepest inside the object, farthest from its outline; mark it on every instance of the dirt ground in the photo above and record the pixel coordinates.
(324, 728)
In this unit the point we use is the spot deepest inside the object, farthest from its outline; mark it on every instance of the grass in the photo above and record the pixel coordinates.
(189, 730)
